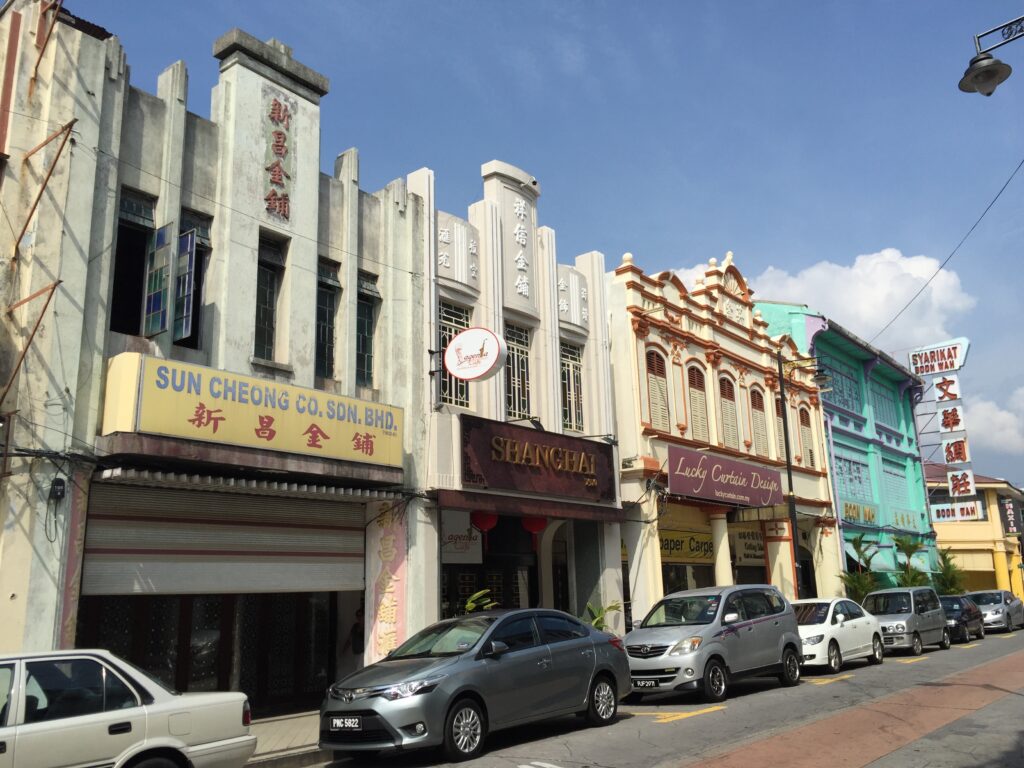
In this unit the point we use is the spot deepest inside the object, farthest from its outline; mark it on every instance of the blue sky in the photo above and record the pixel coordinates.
(824, 143)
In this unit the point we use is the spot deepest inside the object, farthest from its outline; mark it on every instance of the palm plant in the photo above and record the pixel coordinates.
(909, 576)
(862, 581)
(480, 601)
(599, 616)
(950, 580)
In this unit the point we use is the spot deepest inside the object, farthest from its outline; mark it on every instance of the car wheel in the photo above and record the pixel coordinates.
(945, 643)
(1009, 623)
(790, 675)
(464, 731)
(981, 631)
(716, 681)
(877, 651)
(916, 648)
(156, 762)
(835, 658)
(633, 698)
(603, 702)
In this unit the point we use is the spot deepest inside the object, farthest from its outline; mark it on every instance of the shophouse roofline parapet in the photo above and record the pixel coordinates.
(274, 56)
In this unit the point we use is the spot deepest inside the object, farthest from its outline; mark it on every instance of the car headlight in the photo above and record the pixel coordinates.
(404, 690)
(689, 645)
(997, 612)
(813, 640)
(951, 622)
(901, 627)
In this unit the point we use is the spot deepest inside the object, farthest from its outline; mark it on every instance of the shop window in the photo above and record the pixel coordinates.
(269, 273)
(452, 321)
(844, 390)
(572, 387)
(807, 439)
(730, 425)
(328, 290)
(698, 404)
(517, 372)
(885, 406)
(367, 304)
(758, 422)
(657, 391)
(189, 274)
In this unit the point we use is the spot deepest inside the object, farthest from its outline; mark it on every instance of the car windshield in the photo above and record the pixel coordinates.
(811, 613)
(446, 638)
(987, 598)
(676, 611)
(888, 603)
(951, 604)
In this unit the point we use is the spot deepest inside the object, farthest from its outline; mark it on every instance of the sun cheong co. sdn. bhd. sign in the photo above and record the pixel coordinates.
(475, 354)
(699, 475)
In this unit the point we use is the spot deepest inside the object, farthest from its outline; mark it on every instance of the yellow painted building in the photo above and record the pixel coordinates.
(980, 533)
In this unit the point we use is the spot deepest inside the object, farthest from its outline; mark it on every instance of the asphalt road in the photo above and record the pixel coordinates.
(867, 715)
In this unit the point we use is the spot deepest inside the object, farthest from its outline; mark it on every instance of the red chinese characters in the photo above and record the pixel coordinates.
(961, 483)
(947, 388)
(950, 419)
(204, 417)
(277, 199)
(363, 442)
(265, 430)
(315, 435)
(955, 451)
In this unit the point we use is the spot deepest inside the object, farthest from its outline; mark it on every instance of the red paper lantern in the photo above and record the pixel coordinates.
(483, 521)
(535, 525)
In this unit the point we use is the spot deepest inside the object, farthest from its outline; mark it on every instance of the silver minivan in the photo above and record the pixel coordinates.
(910, 617)
(705, 638)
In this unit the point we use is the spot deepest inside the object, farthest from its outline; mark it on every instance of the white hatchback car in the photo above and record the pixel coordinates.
(837, 630)
(90, 708)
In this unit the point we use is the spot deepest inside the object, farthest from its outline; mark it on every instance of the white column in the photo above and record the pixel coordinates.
(720, 542)
(778, 547)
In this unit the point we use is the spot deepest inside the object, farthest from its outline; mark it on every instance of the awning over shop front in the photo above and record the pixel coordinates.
(881, 560)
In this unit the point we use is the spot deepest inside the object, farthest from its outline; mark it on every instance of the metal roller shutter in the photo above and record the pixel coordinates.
(178, 541)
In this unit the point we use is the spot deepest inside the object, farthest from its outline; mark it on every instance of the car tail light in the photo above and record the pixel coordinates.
(617, 642)
(246, 713)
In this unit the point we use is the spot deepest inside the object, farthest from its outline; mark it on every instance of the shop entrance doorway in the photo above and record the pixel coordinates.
(807, 585)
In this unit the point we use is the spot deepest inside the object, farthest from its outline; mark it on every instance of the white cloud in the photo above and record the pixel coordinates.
(865, 295)
(999, 429)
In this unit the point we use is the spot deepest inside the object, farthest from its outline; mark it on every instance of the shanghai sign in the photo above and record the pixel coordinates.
(165, 397)
(700, 475)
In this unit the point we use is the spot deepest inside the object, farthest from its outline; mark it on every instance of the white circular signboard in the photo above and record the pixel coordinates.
(475, 354)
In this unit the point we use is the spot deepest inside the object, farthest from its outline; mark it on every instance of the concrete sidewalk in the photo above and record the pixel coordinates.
(289, 741)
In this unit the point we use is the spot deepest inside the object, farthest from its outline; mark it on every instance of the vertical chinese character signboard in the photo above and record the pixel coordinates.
(279, 112)
(386, 552)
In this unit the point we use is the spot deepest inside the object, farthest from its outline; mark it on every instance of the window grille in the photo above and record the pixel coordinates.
(845, 386)
(885, 406)
(268, 279)
(327, 291)
(698, 404)
(572, 387)
(517, 372)
(453, 319)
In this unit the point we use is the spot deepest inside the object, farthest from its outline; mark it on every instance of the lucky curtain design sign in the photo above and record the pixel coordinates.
(699, 475)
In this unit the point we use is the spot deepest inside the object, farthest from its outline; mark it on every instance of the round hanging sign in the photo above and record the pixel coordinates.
(475, 354)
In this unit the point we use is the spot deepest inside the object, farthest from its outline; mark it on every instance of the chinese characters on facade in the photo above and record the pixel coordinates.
(277, 197)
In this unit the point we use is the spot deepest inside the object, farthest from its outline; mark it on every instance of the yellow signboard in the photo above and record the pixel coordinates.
(165, 397)
(681, 547)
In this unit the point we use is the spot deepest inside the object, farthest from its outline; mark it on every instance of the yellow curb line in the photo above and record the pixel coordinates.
(671, 717)
(827, 680)
(965, 647)
(912, 661)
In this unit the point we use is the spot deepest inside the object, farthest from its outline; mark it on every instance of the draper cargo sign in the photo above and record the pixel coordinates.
(164, 397)
(701, 476)
(513, 458)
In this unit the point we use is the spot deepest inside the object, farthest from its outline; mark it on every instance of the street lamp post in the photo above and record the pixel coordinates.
(985, 72)
(820, 378)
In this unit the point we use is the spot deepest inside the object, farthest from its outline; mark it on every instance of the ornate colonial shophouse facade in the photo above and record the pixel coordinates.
(700, 435)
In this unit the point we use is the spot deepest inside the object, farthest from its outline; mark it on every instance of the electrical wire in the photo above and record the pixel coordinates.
(951, 254)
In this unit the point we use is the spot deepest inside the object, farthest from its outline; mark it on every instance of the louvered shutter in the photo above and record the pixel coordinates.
(698, 405)
(759, 423)
(780, 432)
(657, 389)
(730, 428)
(807, 439)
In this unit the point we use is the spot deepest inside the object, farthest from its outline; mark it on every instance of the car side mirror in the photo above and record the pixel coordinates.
(840, 618)
(495, 649)
(730, 618)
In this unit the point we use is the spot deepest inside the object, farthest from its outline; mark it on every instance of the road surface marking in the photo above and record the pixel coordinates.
(1007, 636)
(827, 680)
(912, 661)
(671, 717)
(540, 765)
(969, 645)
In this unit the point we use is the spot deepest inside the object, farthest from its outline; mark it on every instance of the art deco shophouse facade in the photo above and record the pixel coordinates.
(208, 381)
(696, 387)
(874, 455)
(522, 468)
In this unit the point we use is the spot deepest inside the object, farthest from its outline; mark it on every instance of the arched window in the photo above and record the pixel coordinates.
(807, 438)
(698, 404)
(780, 431)
(758, 422)
(730, 426)
(657, 391)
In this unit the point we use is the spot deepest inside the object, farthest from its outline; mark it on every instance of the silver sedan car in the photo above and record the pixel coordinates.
(454, 682)
(1000, 609)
